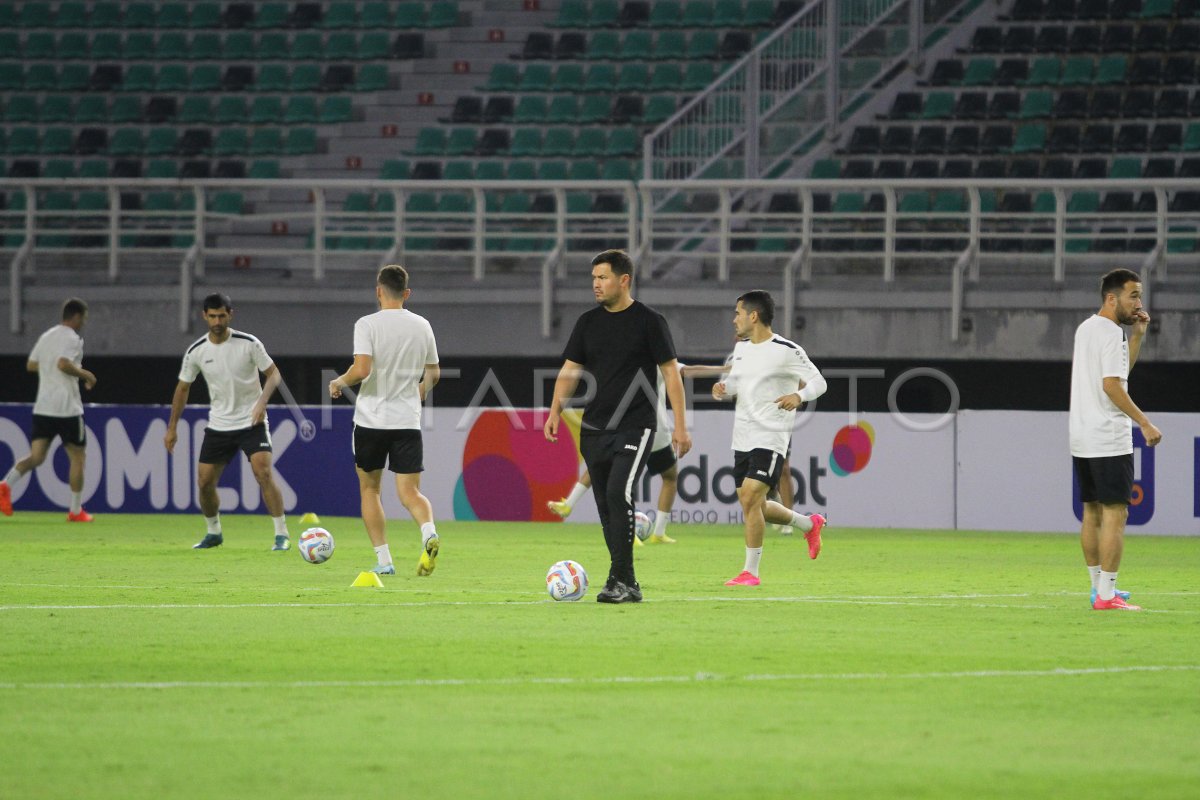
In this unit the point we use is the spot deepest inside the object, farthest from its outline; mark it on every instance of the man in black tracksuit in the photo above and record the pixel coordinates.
(620, 343)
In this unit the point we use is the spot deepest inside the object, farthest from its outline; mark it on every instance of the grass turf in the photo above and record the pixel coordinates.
(900, 664)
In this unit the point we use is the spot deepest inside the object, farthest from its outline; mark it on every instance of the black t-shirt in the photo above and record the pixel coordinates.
(622, 350)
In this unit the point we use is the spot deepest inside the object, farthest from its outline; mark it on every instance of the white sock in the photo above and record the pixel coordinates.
(280, 523)
(1095, 573)
(577, 492)
(753, 556)
(213, 524)
(660, 522)
(801, 522)
(1107, 587)
(428, 531)
(384, 555)
(13, 476)
(76, 502)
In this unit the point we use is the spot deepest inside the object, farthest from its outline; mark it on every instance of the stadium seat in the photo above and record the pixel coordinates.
(266, 142)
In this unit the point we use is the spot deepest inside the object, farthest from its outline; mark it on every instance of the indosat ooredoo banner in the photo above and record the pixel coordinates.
(974, 469)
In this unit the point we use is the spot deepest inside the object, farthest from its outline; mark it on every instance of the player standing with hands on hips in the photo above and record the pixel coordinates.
(622, 343)
(230, 362)
(1101, 428)
(765, 375)
(58, 410)
(396, 361)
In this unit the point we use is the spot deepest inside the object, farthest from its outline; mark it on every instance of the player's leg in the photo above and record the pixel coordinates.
(38, 449)
(752, 495)
(787, 492)
(374, 520)
(810, 525)
(216, 450)
(1089, 541)
(77, 460)
(666, 501)
(264, 475)
(629, 455)
(406, 458)
(599, 464)
(1114, 488)
(565, 506)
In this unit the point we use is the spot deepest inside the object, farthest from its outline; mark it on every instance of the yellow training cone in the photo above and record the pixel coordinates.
(368, 580)
(310, 519)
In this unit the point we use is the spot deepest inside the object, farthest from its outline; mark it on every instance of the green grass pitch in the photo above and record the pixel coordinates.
(899, 664)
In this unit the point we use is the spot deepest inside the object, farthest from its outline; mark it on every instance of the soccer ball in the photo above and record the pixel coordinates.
(316, 545)
(566, 580)
(642, 526)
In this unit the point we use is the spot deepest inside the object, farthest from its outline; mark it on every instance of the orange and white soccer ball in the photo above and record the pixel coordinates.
(567, 580)
(316, 545)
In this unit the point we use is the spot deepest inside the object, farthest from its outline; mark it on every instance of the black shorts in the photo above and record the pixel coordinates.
(660, 460)
(759, 464)
(219, 447)
(1107, 480)
(69, 428)
(400, 449)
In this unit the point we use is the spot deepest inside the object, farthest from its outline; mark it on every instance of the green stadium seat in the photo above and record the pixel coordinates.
(504, 77)
(57, 108)
(273, 46)
(163, 168)
(232, 110)
(300, 109)
(263, 169)
(271, 78)
(21, 108)
(162, 141)
(160, 201)
(533, 109)
(595, 108)
(1153, 9)
(170, 78)
(603, 14)
(697, 14)
(226, 203)
(525, 142)
(442, 14)
(667, 78)
(561, 141)
(340, 15)
(461, 142)
(1036, 105)
(172, 15)
(430, 142)
(39, 44)
(635, 77)
(849, 203)
(271, 15)
(374, 45)
(395, 170)
(57, 141)
(139, 15)
(698, 75)
(307, 46)
(1191, 138)
(376, 16)
(10, 42)
(205, 15)
(1111, 70)
(1044, 72)
(603, 46)
(536, 78)
(171, 46)
(41, 78)
(342, 46)
(266, 142)
(125, 108)
(335, 110)
(489, 171)
(239, 46)
(666, 14)
(620, 170)
(95, 168)
(727, 14)
(980, 72)
(758, 13)
(410, 15)
(826, 169)
(1030, 139)
(301, 142)
(74, 78)
(636, 46)
(75, 15)
(658, 109)
(58, 168)
(91, 108)
(623, 142)
(8, 16)
(12, 77)
(371, 78)
(671, 46)
(1077, 70)
(126, 142)
(35, 14)
(571, 14)
(583, 171)
(459, 171)
(600, 78)
(196, 109)
(305, 78)
(569, 78)
(206, 46)
(205, 78)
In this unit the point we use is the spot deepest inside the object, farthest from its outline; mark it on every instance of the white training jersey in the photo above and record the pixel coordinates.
(1097, 427)
(400, 344)
(231, 371)
(761, 373)
(58, 392)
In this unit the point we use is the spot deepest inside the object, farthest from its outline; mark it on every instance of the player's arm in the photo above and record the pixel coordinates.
(810, 385)
(702, 370)
(1121, 399)
(429, 379)
(564, 388)
(67, 366)
(1137, 333)
(681, 440)
(31, 366)
(274, 378)
(358, 372)
(178, 401)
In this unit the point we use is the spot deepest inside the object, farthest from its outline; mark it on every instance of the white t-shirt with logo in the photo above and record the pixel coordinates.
(761, 373)
(231, 371)
(58, 392)
(1097, 427)
(400, 344)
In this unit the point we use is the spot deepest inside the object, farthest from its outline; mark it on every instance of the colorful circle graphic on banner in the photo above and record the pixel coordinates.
(510, 471)
(851, 448)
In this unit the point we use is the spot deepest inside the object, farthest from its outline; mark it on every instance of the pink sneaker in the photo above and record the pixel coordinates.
(82, 516)
(744, 578)
(814, 536)
(1116, 604)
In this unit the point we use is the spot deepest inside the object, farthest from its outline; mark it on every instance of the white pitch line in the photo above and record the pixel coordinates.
(700, 677)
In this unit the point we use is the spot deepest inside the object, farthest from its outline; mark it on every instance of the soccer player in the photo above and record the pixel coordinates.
(622, 343)
(396, 361)
(1101, 428)
(58, 409)
(230, 362)
(765, 377)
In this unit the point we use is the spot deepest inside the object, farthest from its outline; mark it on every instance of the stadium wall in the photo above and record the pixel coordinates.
(986, 470)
